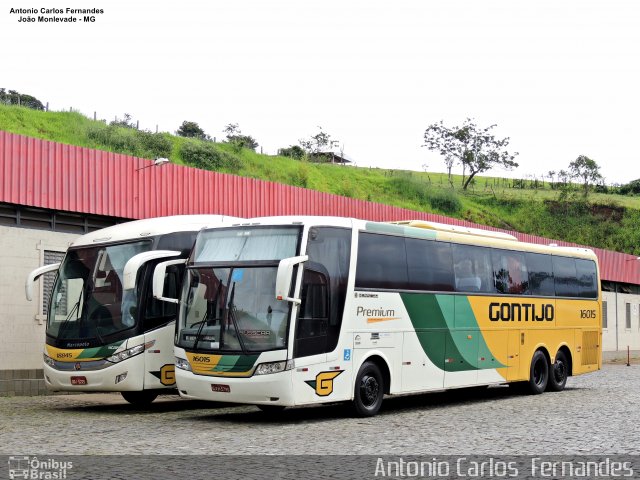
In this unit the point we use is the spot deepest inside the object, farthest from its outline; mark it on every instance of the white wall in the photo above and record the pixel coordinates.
(626, 336)
(21, 322)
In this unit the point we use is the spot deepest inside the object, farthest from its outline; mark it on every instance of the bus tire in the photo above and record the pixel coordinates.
(558, 373)
(143, 397)
(369, 390)
(271, 408)
(538, 374)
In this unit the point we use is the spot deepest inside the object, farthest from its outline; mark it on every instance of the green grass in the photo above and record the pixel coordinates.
(606, 220)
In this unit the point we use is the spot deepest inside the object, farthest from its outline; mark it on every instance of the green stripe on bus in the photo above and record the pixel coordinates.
(434, 320)
(235, 363)
(100, 352)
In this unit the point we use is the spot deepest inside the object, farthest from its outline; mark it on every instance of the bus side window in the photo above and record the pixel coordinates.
(564, 275)
(429, 265)
(510, 272)
(382, 262)
(586, 273)
(472, 269)
(540, 274)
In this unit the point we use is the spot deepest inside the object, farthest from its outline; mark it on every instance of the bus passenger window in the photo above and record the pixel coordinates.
(540, 274)
(429, 265)
(586, 273)
(382, 262)
(510, 272)
(564, 275)
(472, 269)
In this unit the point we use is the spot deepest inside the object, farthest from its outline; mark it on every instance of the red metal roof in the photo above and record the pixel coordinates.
(52, 175)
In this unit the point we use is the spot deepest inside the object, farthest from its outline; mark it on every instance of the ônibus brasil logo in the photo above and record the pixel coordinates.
(33, 468)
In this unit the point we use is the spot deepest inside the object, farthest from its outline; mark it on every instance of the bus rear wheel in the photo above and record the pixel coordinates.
(144, 397)
(538, 374)
(369, 390)
(558, 374)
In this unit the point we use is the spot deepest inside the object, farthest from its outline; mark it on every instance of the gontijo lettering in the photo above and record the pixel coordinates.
(520, 312)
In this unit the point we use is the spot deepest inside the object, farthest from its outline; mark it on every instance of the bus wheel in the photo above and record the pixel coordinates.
(271, 408)
(369, 390)
(538, 373)
(559, 373)
(144, 397)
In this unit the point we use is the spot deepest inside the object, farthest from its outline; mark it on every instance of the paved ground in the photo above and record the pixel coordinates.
(597, 414)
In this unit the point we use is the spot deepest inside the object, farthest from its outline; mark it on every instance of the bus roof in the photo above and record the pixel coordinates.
(456, 229)
(417, 229)
(150, 227)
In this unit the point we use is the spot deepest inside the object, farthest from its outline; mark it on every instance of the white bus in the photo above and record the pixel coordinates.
(286, 311)
(105, 331)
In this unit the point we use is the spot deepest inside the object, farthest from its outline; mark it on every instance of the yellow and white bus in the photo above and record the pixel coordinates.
(286, 311)
(105, 331)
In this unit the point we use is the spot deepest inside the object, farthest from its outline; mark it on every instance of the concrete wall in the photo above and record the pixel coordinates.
(21, 322)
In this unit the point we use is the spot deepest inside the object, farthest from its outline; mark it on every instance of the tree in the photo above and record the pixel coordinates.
(15, 98)
(318, 144)
(293, 151)
(587, 170)
(239, 141)
(126, 122)
(475, 148)
(191, 130)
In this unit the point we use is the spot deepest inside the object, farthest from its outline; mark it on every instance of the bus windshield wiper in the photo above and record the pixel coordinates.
(205, 316)
(74, 309)
(231, 312)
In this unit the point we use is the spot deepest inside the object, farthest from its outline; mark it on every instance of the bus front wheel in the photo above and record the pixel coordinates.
(558, 373)
(369, 390)
(144, 397)
(538, 373)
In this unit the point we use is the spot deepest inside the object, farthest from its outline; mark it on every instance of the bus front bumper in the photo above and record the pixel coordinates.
(124, 376)
(271, 389)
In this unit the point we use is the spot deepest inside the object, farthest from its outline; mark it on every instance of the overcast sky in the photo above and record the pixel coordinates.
(561, 79)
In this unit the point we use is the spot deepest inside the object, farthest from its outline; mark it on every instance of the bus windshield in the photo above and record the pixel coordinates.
(228, 299)
(88, 301)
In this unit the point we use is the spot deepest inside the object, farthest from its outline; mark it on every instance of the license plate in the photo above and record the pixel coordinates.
(78, 380)
(216, 387)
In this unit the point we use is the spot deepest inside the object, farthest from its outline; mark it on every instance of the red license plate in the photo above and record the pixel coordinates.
(216, 387)
(78, 380)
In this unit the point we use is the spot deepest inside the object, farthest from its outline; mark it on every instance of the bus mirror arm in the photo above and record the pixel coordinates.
(283, 278)
(134, 264)
(33, 276)
(158, 279)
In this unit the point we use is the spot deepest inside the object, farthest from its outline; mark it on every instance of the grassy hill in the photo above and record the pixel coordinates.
(605, 220)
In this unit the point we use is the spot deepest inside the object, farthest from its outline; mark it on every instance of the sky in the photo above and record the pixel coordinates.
(560, 79)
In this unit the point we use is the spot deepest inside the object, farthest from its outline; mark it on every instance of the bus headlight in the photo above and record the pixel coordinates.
(48, 360)
(183, 364)
(274, 367)
(131, 352)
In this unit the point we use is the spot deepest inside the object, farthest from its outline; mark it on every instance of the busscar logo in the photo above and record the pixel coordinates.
(323, 384)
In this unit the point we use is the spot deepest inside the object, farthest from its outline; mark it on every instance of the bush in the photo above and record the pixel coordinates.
(155, 144)
(207, 156)
(130, 141)
(445, 200)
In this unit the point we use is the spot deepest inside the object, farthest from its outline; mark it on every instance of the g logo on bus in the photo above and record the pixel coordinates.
(166, 374)
(323, 384)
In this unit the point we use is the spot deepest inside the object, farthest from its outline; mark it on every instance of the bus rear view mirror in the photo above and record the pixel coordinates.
(158, 279)
(283, 278)
(130, 272)
(33, 276)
